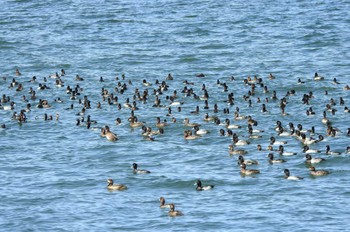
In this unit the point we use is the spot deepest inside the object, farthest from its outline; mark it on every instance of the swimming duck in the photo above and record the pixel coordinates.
(241, 160)
(251, 121)
(237, 116)
(325, 120)
(195, 111)
(231, 126)
(239, 142)
(272, 160)
(138, 171)
(315, 172)
(200, 187)
(134, 123)
(282, 152)
(318, 77)
(274, 142)
(233, 151)
(78, 78)
(311, 160)
(17, 72)
(145, 83)
(289, 177)
(188, 135)
(307, 141)
(307, 150)
(198, 131)
(160, 124)
(112, 186)
(187, 123)
(208, 118)
(173, 212)
(162, 203)
(329, 152)
(108, 134)
(335, 81)
(248, 171)
(300, 81)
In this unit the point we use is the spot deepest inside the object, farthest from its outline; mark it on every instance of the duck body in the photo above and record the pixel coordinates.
(289, 177)
(275, 161)
(312, 160)
(241, 160)
(200, 187)
(245, 171)
(173, 212)
(315, 172)
(111, 186)
(138, 171)
(162, 203)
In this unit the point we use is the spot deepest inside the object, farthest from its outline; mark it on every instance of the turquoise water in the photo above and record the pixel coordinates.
(54, 173)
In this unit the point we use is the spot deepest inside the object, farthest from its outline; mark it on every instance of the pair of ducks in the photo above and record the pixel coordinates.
(111, 186)
(313, 172)
(174, 213)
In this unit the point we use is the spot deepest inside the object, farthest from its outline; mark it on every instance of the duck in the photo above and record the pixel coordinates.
(160, 124)
(241, 160)
(335, 81)
(138, 171)
(307, 141)
(307, 150)
(237, 116)
(318, 77)
(145, 83)
(273, 161)
(108, 134)
(233, 151)
(239, 142)
(231, 126)
(17, 72)
(208, 118)
(198, 131)
(300, 81)
(274, 142)
(134, 123)
(245, 171)
(173, 212)
(329, 152)
(200, 187)
(187, 123)
(283, 132)
(289, 177)
(315, 172)
(312, 160)
(251, 121)
(271, 77)
(162, 203)
(282, 152)
(112, 186)
(196, 111)
(324, 120)
(188, 135)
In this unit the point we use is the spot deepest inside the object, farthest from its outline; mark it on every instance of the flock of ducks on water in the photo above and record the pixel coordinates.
(159, 93)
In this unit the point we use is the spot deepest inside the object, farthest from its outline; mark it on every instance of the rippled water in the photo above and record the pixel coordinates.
(54, 172)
